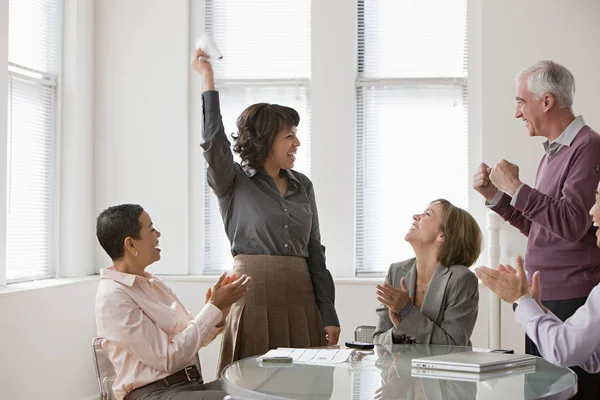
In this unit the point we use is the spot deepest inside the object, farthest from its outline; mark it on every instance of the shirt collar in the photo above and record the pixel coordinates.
(121, 277)
(292, 177)
(568, 135)
(251, 172)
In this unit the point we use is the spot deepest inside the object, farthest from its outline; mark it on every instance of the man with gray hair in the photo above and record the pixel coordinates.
(553, 214)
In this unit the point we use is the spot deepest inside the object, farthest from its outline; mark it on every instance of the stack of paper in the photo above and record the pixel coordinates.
(312, 356)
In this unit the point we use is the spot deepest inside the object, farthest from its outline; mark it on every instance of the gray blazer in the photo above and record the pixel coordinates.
(448, 312)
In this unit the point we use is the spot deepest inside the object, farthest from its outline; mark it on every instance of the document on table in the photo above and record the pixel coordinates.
(312, 356)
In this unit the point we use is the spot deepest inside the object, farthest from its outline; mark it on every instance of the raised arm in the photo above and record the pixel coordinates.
(501, 205)
(217, 148)
(567, 216)
(497, 200)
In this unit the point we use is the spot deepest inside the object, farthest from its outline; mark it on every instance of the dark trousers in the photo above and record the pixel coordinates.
(180, 391)
(588, 385)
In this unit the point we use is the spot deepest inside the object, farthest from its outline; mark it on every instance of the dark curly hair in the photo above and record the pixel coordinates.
(257, 126)
(115, 224)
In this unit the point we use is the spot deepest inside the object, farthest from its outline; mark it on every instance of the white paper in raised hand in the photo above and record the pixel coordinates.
(206, 42)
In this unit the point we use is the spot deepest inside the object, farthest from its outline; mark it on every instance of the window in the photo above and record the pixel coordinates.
(266, 58)
(411, 140)
(33, 76)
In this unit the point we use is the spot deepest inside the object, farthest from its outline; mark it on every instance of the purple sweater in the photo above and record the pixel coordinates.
(555, 218)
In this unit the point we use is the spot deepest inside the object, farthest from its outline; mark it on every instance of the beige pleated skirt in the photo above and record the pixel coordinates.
(279, 309)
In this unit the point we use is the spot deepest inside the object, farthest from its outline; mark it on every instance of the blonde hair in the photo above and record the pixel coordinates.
(463, 239)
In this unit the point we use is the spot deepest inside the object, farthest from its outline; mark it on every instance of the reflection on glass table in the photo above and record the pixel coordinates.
(386, 373)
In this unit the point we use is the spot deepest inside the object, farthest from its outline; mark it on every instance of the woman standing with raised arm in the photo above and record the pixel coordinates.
(270, 217)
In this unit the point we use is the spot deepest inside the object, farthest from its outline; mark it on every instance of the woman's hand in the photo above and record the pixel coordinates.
(223, 296)
(332, 334)
(226, 280)
(395, 318)
(394, 387)
(225, 312)
(203, 68)
(392, 297)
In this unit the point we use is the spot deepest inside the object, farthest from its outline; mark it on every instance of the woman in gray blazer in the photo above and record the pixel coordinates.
(433, 298)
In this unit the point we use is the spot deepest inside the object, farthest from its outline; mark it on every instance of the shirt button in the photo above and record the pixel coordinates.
(285, 245)
(285, 226)
(285, 210)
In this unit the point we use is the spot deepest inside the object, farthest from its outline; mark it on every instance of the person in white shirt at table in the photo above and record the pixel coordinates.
(151, 339)
(575, 341)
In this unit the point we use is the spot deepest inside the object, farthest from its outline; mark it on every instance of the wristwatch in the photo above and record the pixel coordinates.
(520, 300)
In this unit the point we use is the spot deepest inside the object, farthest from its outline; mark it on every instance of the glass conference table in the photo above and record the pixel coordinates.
(386, 373)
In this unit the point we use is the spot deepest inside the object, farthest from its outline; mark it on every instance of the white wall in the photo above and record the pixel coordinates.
(141, 99)
(45, 342)
(333, 110)
(76, 155)
(141, 116)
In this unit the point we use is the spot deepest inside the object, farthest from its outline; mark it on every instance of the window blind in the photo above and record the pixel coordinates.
(412, 134)
(266, 59)
(261, 39)
(33, 70)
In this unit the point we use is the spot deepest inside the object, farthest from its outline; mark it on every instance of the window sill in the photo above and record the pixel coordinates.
(24, 287)
(213, 278)
(56, 282)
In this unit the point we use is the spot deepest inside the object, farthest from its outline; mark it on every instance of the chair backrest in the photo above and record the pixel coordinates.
(364, 333)
(105, 372)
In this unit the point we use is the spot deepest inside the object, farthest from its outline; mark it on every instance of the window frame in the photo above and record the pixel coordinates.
(54, 81)
(362, 83)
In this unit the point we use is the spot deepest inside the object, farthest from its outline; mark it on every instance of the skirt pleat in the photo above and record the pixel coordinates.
(279, 309)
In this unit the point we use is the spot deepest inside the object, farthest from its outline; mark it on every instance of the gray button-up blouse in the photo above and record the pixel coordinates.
(257, 218)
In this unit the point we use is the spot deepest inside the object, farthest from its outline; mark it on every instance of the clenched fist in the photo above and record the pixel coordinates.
(482, 182)
(505, 176)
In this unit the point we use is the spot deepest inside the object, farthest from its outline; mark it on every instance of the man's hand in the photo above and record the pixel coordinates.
(505, 176)
(332, 334)
(392, 297)
(223, 296)
(535, 289)
(482, 183)
(508, 286)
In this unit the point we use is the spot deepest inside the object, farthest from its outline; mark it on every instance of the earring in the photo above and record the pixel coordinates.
(135, 254)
